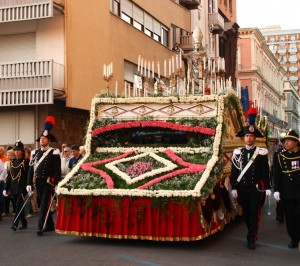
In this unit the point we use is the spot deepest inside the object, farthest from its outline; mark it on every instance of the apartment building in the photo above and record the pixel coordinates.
(285, 45)
(54, 53)
(260, 71)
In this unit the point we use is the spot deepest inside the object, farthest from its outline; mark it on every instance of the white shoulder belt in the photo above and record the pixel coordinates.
(248, 164)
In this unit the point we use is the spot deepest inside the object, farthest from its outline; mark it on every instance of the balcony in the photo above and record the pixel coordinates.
(282, 51)
(293, 69)
(293, 78)
(215, 23)
(30, 83)
(187, 43)
(13, 10)
(190, 4)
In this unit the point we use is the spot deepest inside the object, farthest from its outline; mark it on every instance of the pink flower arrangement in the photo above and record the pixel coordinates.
(139, 168)
(161, 124)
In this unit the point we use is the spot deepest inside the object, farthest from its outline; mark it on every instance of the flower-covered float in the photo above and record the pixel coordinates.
(156, 168)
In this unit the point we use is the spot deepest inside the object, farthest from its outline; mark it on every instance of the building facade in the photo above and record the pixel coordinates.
(53, 53)
(262, 74)
(285, 45)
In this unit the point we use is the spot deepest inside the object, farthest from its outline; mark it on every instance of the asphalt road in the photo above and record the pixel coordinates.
(227, 247)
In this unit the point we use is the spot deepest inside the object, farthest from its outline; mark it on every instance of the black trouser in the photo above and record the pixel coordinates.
(280, 210)
(44, 192)
(20, 199)
(292, 218)
(249, 198)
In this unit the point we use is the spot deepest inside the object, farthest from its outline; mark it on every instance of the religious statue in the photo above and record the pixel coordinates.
(193, 61)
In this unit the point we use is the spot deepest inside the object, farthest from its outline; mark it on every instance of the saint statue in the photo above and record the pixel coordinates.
(193, 60)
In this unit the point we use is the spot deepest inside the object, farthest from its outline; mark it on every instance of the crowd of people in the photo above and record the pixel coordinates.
(28, 178)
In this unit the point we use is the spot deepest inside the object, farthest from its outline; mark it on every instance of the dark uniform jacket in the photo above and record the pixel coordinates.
(17, 176)
(49, 167)
(287, 174)
(257, 173)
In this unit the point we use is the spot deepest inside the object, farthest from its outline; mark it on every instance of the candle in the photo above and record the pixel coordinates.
(176, 62)
(125, 87)
(104, 71)
(145, 68)
(142, 64)
(173, 65)
(116, 89)
(165, 68)
(170, 66)
(204, 64)
(111, 70)
(149, 69)
(193, 87)
(158, 70)
(139, 62)
(180, 60)
(152, 69)
(218, 64)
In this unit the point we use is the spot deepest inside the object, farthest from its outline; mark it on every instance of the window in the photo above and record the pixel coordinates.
(156, 37)
(148, 32)
(116, 7)
(126, 18)
(137, 25)
(164, 36)
(141, 20)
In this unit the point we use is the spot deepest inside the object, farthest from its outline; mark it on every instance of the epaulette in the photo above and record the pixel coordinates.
(263, 151)
(56, 151)
(237, 151)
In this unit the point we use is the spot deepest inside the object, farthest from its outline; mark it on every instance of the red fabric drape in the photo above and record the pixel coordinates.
(134, 218)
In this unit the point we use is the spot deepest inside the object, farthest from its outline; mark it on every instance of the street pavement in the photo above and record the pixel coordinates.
(227, 247)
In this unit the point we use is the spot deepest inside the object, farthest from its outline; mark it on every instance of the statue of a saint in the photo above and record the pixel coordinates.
(193, 60)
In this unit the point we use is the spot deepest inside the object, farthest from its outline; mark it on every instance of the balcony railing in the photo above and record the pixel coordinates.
(215, 22)
(30, 83)
(186, 42)
(14, 10)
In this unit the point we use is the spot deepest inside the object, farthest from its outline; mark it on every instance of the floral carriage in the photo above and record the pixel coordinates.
(156, 168)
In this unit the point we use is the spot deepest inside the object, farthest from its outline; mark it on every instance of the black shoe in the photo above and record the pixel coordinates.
(40, 231)
(14, 227)
(293, 244)
(49, 228)
(22, 227)
(251, 245)
(280, 219)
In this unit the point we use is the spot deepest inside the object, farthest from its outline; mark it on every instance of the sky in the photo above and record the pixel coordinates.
(262, 13)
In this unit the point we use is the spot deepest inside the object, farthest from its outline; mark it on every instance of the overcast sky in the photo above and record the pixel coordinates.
(262, 13)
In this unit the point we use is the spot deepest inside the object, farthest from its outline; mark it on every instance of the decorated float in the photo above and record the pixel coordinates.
(157, 166)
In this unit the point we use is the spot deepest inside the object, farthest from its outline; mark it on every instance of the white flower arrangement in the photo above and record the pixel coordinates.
(196, 192)
(169, 166)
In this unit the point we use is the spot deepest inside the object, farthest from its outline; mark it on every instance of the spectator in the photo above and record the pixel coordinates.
(82, 150)
(76, 156)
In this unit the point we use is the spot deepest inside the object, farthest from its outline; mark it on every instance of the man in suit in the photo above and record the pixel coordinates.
(45, 169)
(287, 184)
(249, 178)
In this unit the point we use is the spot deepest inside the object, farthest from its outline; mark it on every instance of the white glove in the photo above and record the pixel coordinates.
(28, 188)
(4, 193)
(268, 192)
(277, 195)
(234, 193)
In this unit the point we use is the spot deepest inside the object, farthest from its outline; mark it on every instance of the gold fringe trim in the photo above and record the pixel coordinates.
(153, 238)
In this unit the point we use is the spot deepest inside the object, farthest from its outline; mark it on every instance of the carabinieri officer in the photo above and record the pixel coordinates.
(287, 184)
(249, 177)
(45, 169)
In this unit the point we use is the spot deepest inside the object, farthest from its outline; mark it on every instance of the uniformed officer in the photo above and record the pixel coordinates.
(45, 169)
(249, 178)
(287, 185)
(16, 183)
